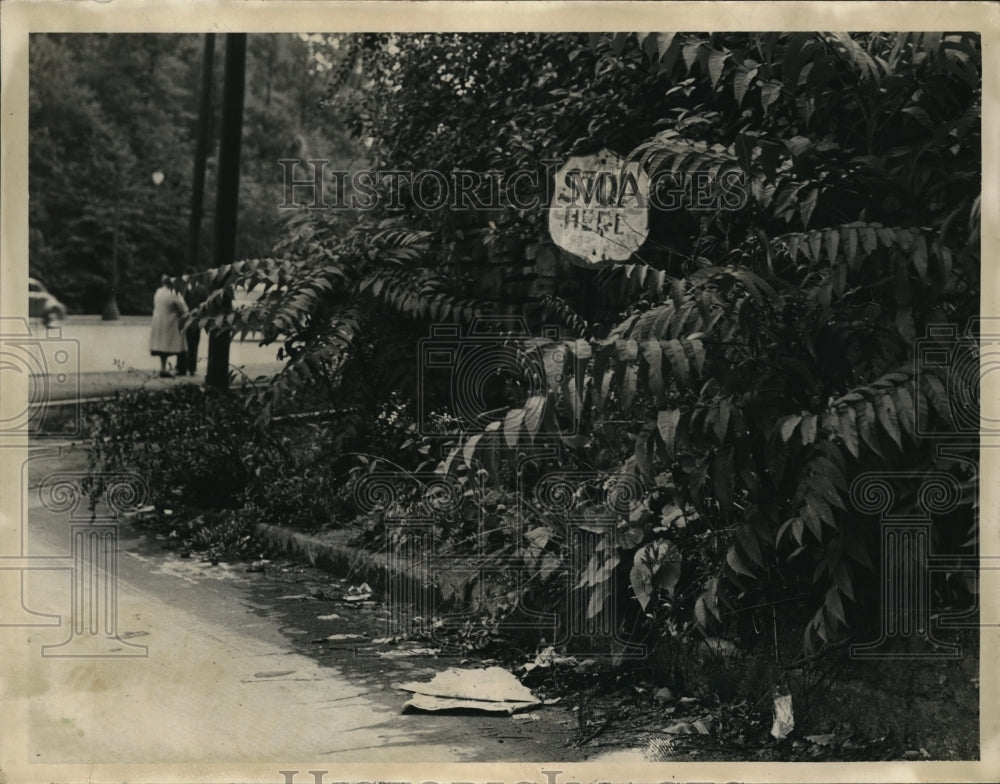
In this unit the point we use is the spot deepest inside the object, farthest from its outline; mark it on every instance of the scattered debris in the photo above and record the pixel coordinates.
(494, 690)
(347, 636)
(294, 596)
(425, 702)
(549, 658)
(784, 719)
(400, 653)
(663, 695)
(272, 673)
(330, 617)
(358, 593)
(828, 739)
(593, 733)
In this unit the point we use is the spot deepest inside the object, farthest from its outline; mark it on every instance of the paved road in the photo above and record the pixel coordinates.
(102, 356)
(231, 674)
(224, 680)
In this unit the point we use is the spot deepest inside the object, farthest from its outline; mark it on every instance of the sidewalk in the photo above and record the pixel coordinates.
(85, 356)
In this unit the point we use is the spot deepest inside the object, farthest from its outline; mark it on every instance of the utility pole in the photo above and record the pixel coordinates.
(193, 336)
(227, 195)
(201, 152)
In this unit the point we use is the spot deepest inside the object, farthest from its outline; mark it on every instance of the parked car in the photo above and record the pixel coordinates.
(43, 305)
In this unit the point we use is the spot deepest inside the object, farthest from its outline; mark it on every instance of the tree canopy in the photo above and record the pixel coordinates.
(108, 111)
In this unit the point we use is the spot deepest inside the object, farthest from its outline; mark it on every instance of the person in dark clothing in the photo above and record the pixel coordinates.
(188, 364)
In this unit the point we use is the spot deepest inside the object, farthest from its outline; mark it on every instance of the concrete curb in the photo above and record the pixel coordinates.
(327, 554)
(340, 559)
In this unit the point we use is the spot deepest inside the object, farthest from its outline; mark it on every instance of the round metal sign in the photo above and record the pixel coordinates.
(599, 209)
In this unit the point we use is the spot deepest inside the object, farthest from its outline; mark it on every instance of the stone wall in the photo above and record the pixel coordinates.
(519, 273)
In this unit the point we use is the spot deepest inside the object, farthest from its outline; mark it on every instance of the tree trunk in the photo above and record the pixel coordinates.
(227, 194)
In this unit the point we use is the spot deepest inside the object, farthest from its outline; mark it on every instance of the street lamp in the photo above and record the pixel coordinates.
(111, 312)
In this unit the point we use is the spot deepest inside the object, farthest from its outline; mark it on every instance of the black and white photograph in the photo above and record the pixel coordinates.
(498, 392)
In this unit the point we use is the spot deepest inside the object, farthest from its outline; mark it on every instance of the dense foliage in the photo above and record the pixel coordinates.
(766, 356)
(209, 473)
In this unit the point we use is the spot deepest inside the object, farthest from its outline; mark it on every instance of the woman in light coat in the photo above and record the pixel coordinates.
(167, 336)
